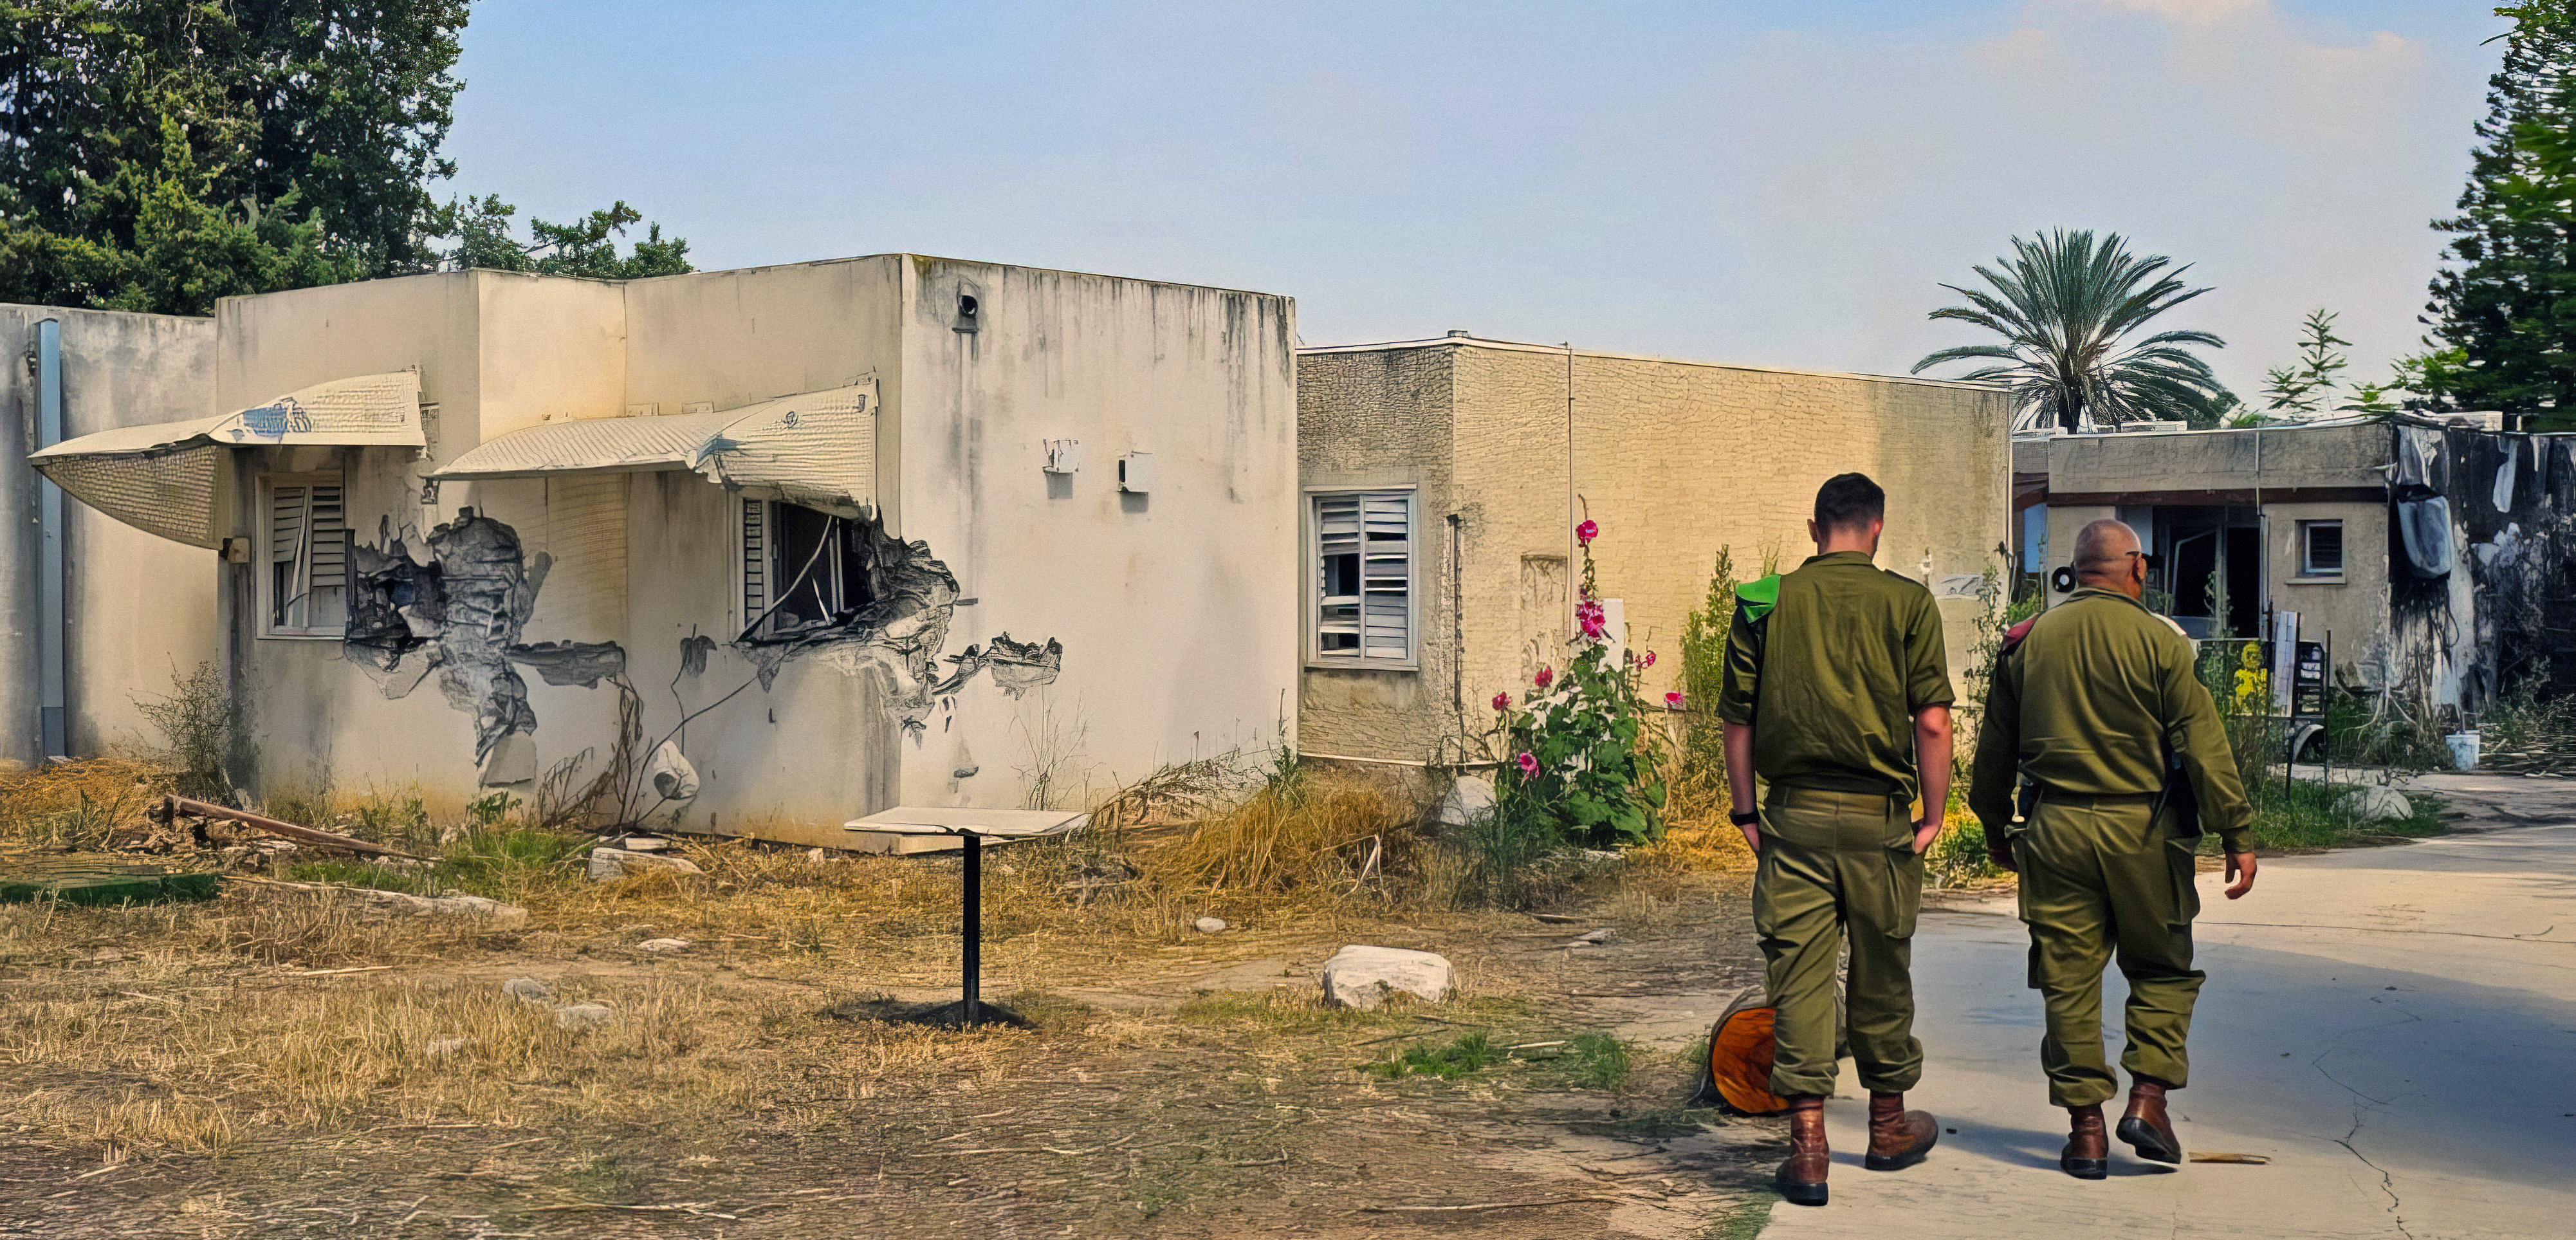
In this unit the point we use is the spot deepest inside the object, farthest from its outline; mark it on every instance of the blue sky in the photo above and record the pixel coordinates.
(1784, 184)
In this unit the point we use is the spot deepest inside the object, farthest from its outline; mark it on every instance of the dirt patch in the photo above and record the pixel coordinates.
(196, 1071)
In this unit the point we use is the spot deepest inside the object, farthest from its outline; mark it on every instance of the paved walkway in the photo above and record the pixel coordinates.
(2394, 1028)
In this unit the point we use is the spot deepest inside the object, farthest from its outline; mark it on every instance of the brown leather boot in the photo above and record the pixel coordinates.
(1898, 1138)
(2088, 1147)
(1801, 1180)
(2146, 1127)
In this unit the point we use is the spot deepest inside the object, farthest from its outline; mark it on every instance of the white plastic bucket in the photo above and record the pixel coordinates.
(2464, 750)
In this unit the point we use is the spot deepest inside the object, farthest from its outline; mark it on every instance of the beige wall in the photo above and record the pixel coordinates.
(2353, 607)
(2340, 456)
(1675, 461)
(136, 607)
(1177, 619)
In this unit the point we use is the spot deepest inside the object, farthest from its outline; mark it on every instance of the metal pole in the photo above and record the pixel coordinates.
(52, 716)
(972, 1011)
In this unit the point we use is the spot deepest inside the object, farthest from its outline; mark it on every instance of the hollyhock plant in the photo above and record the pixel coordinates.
(1502, 701)
(1583, 765)
(1673, 700)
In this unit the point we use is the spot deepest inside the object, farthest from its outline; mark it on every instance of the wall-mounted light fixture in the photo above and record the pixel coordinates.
(1064, 456)
(1136, 473)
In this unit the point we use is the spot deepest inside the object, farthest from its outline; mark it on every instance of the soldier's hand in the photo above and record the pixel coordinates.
(1999, 851)
(1926, 831)
(2240, 874)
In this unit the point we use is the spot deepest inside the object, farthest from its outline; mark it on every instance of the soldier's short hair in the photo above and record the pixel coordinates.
(2101, 545)
(1850, 502)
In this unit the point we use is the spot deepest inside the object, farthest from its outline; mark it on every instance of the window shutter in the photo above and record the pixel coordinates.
(327, 526)
(755, 559)
(286, 525)
(1386, 576)
(1337, 592)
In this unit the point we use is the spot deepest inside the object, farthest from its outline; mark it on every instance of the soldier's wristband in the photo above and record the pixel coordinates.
(1746, 818)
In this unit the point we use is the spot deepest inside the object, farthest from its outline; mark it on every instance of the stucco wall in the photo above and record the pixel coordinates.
(1177, 621)
(2337, 456)
(135, 606)
(1676, 460)
(1382, 419)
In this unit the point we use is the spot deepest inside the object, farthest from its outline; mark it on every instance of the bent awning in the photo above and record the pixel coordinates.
(817, 449)
(169, 478)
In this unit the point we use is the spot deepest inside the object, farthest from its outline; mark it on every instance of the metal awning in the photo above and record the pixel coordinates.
(171, 478)
(817, 449)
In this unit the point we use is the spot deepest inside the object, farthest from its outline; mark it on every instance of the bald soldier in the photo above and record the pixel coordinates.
(2098, 708)
(1839, 697)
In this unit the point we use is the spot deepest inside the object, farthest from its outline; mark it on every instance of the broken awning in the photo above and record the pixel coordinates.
(817, 449)
(169, 478)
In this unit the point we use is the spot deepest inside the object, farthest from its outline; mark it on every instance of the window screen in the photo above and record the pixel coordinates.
(803, 570)
(1364, 576)
(2321, 548)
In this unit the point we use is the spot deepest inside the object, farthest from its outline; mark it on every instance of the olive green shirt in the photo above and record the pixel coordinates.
(1850, 655)
(2089, 703)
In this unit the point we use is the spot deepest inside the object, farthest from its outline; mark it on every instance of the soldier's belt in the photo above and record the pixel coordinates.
(2106, 800)
(1823, 798)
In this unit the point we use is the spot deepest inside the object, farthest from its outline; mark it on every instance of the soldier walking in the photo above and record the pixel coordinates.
(1838, 695)
(2097, 706)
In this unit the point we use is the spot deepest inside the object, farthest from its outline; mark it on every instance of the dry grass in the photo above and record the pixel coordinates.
(78, 805)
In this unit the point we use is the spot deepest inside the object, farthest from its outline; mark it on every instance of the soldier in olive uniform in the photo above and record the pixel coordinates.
(2097, 705)
(1838, 697)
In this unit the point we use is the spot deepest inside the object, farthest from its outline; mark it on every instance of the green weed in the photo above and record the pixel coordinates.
(1472, 1052)
(1598, 1061)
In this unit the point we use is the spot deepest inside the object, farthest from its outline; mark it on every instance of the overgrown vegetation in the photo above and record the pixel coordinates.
(196, 723)
(1583, 768)
(2529, 731)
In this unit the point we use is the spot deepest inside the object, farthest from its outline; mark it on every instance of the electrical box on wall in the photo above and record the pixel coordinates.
(1136, 472)
(1064, 456)
(236, 551)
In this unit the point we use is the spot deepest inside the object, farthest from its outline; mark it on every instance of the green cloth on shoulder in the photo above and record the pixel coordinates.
(1849, 655)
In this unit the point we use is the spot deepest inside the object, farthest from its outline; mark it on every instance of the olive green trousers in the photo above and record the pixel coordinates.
(1837, 865)
(2100, 882)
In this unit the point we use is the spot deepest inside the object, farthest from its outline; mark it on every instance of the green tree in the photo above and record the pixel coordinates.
(2065, 304)
(2503, 313)
(158, 154)
(2300, 390)
(584, 247)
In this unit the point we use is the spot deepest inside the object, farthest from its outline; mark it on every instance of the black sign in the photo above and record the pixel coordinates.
(2308, 681)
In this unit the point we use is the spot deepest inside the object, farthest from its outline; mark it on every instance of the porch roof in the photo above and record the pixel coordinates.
(814, 448)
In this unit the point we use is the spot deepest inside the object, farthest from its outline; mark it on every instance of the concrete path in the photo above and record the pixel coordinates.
(2395, 1028)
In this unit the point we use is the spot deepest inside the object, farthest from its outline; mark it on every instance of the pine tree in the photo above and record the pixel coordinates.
(2503, 316)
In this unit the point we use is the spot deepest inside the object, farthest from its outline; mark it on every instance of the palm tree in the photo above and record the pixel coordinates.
(2063, 304)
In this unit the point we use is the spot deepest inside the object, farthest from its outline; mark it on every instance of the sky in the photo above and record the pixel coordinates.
(1778, 184)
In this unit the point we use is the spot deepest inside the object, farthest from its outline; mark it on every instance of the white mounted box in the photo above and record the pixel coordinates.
(1064, 456)
(1136, 472)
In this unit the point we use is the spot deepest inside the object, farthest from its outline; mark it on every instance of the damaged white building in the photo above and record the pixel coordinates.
(765, 549)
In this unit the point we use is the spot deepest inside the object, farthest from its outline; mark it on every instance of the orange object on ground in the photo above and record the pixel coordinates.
(1737, 1073)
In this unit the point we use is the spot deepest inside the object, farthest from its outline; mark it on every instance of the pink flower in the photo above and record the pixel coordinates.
(1586, 532)
(1546, 677)
(1529, 764)
(1594, 627)
(1502, 701)
(1673, 700)
(1650, 658)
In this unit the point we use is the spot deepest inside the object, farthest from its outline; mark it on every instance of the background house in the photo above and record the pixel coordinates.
(2435, 551)
(849, 535)
(1443, 479)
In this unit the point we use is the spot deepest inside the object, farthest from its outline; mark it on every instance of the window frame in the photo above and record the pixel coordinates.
(2307, 550)
(264, 556)
(1310, 567)
(772, 575)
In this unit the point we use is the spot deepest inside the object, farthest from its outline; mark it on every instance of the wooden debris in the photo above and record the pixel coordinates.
(1483, 1206)
(173, 806)
(2251, 1160)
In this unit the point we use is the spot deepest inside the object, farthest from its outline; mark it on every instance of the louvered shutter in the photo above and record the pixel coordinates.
(1386, 576)
(755, 559)
(286, 550)
(1364, 576)
(308, 554)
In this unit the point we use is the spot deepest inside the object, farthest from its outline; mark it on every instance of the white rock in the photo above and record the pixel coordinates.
(1362, 977)
(404, 903)
(814, 855)
(643, 843)
(2377, 803)
(664, 945)
(584, 1015)
(1210, 925)
(526, 990)
(607, 862)
(440, 1048)
(1470, 797)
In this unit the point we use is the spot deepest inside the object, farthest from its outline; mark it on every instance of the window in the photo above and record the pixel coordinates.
(802, 570)
(1363, 605)
(306, 582)
(2321, 548)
